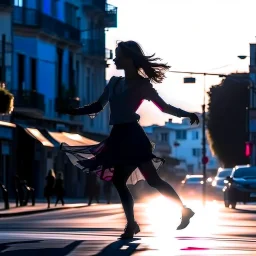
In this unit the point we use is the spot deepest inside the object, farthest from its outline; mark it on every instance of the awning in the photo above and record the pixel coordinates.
(72, 139)
(7, 124)
(39, 136)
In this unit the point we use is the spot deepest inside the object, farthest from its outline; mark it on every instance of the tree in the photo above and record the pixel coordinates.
(6, 100)
(227, 119)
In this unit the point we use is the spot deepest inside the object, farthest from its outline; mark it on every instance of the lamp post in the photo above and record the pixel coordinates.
(204, 156)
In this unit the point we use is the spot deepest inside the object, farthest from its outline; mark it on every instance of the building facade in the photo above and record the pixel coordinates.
(53, 56)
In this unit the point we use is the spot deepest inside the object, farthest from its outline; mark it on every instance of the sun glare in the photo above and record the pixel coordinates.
(164, 217)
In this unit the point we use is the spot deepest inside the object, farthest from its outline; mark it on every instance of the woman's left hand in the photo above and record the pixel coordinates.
(193, 118)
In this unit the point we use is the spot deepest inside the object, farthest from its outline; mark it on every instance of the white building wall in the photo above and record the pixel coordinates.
(189, 150)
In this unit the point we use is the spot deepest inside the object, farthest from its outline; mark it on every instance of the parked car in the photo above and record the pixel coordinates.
(218, 182)
(240, 186)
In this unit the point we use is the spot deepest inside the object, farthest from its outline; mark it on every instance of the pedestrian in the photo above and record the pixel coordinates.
(128, 148)
(93, 188)
(49, 188)
(107, 191)
(18, 190)
(59, 188)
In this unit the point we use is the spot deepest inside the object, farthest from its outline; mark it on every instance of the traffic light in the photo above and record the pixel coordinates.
(248, 148)
(205, 160)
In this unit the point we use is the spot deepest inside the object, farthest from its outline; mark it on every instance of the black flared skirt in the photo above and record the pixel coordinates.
(127, 144)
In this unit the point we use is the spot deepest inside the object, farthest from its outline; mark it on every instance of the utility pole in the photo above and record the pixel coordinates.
(204, 159)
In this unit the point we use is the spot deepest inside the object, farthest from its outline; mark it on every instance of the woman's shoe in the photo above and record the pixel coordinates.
(130, 230)
(187, 214)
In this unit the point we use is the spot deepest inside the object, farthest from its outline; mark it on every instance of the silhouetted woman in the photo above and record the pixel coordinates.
(59, 188)
(49, 188)
(128, 148)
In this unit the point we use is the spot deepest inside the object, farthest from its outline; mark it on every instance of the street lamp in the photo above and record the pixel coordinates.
(242, 57)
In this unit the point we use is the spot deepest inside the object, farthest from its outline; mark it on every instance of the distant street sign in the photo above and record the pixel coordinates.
(189, 80)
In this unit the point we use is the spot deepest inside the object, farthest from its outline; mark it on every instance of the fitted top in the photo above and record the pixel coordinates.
(126, 96)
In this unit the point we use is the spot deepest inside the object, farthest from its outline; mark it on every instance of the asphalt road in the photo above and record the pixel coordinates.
(94, 230)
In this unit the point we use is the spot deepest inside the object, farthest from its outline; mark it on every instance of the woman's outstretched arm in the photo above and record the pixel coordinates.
(152, 95)
(90, 109)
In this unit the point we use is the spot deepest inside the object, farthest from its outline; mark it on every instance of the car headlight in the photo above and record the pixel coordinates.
(214, 183)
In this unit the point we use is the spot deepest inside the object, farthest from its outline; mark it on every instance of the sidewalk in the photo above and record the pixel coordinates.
(40, 206)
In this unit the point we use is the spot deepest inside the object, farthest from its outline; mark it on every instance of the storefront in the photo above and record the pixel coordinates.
(34, 157)
(6, 153)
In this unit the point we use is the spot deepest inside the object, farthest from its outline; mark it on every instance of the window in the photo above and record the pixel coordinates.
(88, 85)
(21, 71)
(70, 11)
(77, 73)
(78, 23)
(195, 135)
(18, 3)
(181, 135)
(54, 8)
(164, 137)
(33, 74)
(196, 152)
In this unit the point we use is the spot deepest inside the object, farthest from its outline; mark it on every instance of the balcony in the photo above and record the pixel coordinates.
(93, 48)
(36, 20)
(28, 100)
(64, 102)
(110, 19)
(163, 148)
(6, 4)
(94, 5)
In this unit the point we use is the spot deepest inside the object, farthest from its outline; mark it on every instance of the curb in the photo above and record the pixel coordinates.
(7, 215)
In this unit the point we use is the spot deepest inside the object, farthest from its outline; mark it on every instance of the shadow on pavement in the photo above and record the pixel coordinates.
(122, 248)
(38, 252)
(117, 248)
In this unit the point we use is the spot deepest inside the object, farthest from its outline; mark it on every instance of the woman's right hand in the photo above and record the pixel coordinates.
(66, 110)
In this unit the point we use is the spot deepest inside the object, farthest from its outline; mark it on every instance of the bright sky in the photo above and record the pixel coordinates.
(198, 35)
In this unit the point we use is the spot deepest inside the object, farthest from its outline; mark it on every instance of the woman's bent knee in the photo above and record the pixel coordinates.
(155, 183)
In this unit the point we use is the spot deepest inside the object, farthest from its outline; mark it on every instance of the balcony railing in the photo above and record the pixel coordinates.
(35, 19)
(28, 99)
(94, 5)
(110, 16)
(64, 102)
(93, 48)
(6, 3)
